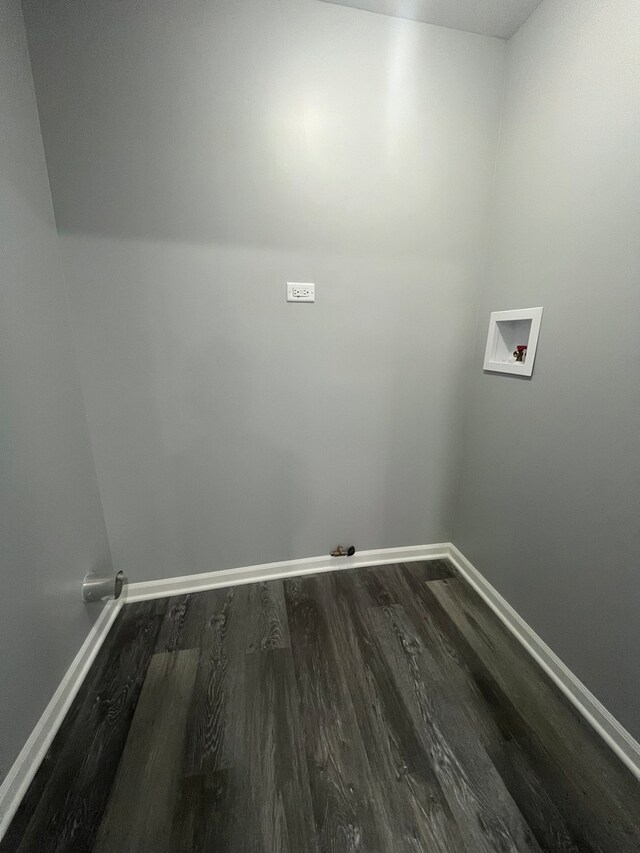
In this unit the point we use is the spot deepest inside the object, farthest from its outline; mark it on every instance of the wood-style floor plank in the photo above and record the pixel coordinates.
(488, 817)
(408, 796)
(432, 570)
(340, 776)
(202, 816)
(139, 814)
(492, 717)
(597, 796)
(90, 742)
(270, 780)
(380, 583)
(183, 622)
(212, 730)
(485, 814)
(267, 626)
(380, 710)
(469, 693)
(263, 801)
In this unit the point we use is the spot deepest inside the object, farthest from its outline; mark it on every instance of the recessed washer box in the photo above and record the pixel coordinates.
(509, 330)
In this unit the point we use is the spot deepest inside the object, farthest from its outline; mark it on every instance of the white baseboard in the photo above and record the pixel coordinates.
(594, 712)
(20, 775)
(289, 568)
(26, 764)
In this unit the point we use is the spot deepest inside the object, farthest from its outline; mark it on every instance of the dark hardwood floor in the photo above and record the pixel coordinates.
(382, 709)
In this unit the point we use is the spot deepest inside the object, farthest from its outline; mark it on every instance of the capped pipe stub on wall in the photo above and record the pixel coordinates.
(96, 587)
(343, 551)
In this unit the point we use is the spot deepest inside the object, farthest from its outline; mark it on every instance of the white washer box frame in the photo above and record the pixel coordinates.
(495, 339)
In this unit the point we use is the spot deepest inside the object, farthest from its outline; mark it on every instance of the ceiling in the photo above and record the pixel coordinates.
(499, 18)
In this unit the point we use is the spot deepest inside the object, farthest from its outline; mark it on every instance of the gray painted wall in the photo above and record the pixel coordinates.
(201, 155)
(551, 475)
(51, 525)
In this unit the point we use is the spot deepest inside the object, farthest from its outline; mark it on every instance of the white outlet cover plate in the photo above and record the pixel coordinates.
(301, 291)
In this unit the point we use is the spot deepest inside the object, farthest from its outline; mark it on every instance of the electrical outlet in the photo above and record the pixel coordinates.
(299, 291)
